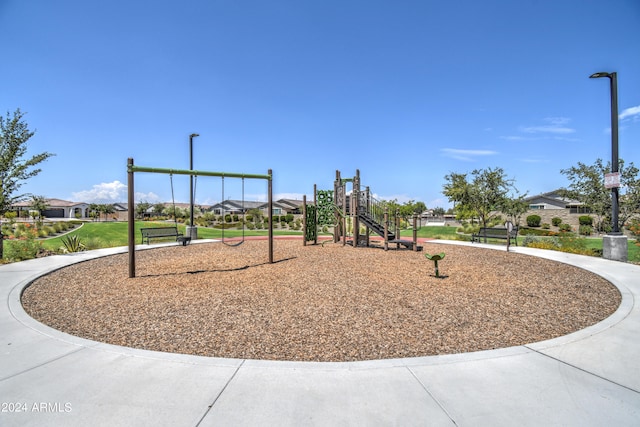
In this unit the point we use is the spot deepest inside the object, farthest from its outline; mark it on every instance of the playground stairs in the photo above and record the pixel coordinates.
(378, 228)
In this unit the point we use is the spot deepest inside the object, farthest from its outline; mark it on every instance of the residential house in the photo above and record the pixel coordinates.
(234, 207)
(56, 208)
(552, 204)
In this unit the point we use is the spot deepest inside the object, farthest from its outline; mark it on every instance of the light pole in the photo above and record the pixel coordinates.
(614, 248)
(613, 80)
(192, 231)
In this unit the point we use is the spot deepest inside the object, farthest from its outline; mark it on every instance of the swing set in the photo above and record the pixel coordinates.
(131, 169)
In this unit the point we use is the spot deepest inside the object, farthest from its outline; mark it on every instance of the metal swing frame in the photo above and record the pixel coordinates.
(131, 169)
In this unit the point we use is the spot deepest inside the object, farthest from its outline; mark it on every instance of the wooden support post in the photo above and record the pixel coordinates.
(131, 220)
(355, 196)
(386, 229)
(336, 230)
(368, 211)
(397, 221)
(315, 220)
(415, 232)
(270, 205)
(304, 220)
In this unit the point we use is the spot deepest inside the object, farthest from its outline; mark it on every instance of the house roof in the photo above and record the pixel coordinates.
(290, 203)
(552, 197)
(237, 204)
(51, 203)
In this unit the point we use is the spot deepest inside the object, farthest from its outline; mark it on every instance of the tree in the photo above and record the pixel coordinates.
(480, 197)
(142, 208)
(158, 208)
(438, 211)
(94, 211)
(514, 207)
(15, 168)
(256, 213)
(587, 186)
(38, 204)
(106, 209)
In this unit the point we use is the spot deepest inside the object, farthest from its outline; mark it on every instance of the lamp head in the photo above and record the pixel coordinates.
(194, 135)
(600, 74)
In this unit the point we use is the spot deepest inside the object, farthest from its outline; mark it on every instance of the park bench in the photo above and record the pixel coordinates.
(153, 232)
(495, 233)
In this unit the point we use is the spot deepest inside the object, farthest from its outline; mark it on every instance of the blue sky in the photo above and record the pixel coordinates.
(405, 91)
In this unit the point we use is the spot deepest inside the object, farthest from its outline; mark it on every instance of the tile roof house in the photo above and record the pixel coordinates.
(553, 200)
(280, 207)
(234, 207)
(57, 208)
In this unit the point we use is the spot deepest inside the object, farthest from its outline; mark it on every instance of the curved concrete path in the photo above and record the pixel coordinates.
(588, 378)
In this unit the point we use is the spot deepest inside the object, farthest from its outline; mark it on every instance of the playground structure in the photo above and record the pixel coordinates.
(131, 169)
(340, 210)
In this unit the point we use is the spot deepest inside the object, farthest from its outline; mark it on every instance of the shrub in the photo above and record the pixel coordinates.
(585, 220)
(585, 230)
(574, 245)
(72, 244)
(605, 226)
(20, 250)
(545, 226)
(541, 242)
(289, 217)
(565, 227)
(556, 221)
(533, 220)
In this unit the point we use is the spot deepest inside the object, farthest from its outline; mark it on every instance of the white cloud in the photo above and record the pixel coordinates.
(150, 197)
(112, 192)
(555, 126)
(106, 192)
(557, 121)
(547, 129)
(466, 155)
(633, 112)
(518, 138)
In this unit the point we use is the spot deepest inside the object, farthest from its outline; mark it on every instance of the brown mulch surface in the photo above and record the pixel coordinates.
(319, 303)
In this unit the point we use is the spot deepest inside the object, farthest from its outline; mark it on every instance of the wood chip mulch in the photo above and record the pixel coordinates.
(319, 303)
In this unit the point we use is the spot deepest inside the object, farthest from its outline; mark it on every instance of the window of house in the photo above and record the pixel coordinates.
(579, 209)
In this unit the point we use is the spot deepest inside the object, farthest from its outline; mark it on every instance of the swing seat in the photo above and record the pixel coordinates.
(183, 240)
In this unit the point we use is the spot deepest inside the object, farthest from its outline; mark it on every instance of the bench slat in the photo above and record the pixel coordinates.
(495, 233)
(152, 232)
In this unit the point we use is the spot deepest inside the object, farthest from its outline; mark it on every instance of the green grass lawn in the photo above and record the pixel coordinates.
(432, 232)
(110, 234)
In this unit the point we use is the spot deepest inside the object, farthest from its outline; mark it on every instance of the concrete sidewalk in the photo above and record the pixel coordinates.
(588, 378)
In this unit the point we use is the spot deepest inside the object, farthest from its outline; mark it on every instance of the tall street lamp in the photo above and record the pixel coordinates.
(192, 231)
(618, 245)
